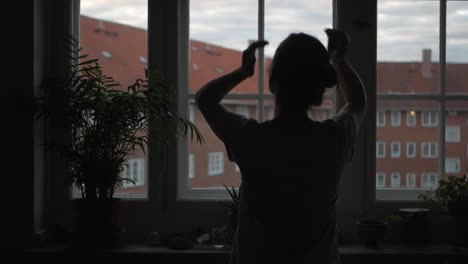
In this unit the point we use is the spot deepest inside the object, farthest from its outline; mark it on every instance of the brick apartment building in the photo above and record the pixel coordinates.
(407, 135)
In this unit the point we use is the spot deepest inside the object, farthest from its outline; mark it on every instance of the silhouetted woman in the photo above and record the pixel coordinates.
(290, 165)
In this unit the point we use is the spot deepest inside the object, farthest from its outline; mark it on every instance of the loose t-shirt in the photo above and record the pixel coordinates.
(290, 175)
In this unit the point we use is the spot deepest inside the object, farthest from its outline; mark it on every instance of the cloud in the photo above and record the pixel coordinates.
(404, 27)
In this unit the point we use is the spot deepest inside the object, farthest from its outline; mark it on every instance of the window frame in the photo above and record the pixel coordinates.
(411, 117)
(452, 140)
(396, 122)
(413, 143)
(215, 163)
(396, 154)
(408, 176)
(381, 143)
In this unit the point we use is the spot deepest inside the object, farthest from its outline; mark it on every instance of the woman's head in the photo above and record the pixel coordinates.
(300, 72)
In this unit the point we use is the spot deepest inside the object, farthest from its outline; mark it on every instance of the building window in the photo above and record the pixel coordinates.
(395, 180)
(452, 165)
(411, 118)
(192, 112)
(215, 163)
(428, 180)
(396, 116)
(380, 180)
(380, 149)
(411, 149)
(429, 119)
(380, 118)
(411, 180)
(429, 150)
(242, 109)
(452, 134)
(191, 173)
(134, 169)
(395, 150)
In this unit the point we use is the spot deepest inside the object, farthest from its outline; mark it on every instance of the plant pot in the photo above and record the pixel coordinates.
(97, 223)
(459, 212)
(372, 232)
(414, 225)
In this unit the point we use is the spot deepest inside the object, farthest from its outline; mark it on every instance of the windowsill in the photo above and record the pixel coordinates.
(349, 253)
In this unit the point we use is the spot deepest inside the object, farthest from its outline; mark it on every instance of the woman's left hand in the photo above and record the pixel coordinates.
(248, 57)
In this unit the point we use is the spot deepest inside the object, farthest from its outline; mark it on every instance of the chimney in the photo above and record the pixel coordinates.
(426, 65)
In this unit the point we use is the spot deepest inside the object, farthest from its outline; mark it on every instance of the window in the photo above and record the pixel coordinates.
(395, 150)
(134, 169)
(242, 109)
(395, 180)
(191, 166)
(380, 118)
(411, 180)
(429, 150)
(429, 180)
(215, 163)
(411, 118)
(411, 149)
(380, 180)
(452, 165)
(192, 112)
(396, 118)
(452, 134)
(380, 149)
(429, 119)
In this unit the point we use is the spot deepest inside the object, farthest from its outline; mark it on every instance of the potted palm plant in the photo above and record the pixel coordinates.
(233, 211)
(106, 123)
(452, 193)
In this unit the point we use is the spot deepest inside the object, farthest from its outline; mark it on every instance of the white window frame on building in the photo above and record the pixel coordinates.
(191, 174)
(396, 118)
(377, 182)
(395, 183)
(129, 172)
(380, 119)
(429, 118)
(428, 180)
(411, 177)
(429, 149)
(452, 134)
(395, 149)
(452, 165)
(411, 146)
(411, 118)
(215, 163)
(380, 154)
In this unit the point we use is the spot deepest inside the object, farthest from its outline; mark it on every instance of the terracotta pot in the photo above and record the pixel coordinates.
(97, 223)
(459, 213)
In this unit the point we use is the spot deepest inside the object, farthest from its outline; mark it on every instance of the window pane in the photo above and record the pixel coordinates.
(407, 47)
(456, 146)
(413, 150)
(117, 36)
(218, 35)
(212, 167)
(457, 47)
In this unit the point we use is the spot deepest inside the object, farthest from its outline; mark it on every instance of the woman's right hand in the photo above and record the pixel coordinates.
(338, 42)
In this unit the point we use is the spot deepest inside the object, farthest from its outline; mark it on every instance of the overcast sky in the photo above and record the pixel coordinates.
(404, 27)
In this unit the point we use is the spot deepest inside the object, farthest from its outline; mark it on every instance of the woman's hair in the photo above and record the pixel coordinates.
(300, 72)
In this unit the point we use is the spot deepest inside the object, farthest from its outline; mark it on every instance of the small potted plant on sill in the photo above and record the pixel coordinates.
(452, 193)
(104, 124)
(233, 212)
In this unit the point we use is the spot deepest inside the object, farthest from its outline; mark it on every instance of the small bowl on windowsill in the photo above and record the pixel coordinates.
(372, 232)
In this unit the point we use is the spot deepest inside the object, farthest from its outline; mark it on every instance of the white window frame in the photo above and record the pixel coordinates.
(128, 172)
(430, 178)
(380, 119)
(429, 145)
(396, 118)
(456, 161)
(448, 133)
(215, 163)
(408, 154)
(395, 154)
(432, 116)
(377, 154)
(410, 175)
(411, 119)
(242, 109)
(377, 175)
(392, 185)
(191, 166)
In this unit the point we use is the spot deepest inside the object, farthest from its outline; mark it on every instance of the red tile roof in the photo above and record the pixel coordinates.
(127, 44)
